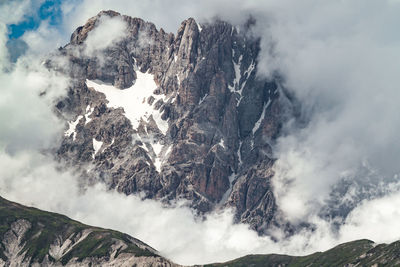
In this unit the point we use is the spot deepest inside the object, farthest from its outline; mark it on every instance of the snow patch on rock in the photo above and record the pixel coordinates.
(134, 99)
(96, 146)
(89, 112)
(225, 197)
(258, 123)
(199, 27)
(246, 75)
(72, 127)
(238, 76)
(221, 143)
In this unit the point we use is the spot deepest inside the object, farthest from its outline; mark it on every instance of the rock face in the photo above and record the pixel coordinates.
(174, 116)
(30, 237)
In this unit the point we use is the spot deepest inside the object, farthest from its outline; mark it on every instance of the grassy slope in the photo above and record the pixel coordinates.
(47, 226)
(358, 253)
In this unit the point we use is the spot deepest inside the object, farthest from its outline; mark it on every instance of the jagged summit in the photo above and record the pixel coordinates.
(192, 121)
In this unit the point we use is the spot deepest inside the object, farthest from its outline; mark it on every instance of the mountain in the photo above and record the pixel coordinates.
(356, 253)
(31, 237)
(173, 117)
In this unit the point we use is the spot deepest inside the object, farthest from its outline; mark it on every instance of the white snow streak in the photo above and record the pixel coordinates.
(239, 154)
(72, 126)
(202, 99)
(161, 154)
(258, 123)
(221, 143)
(199, 27)
(89, 112)
(225, 197)
(236, 67)
(246, 74)
(96, 146)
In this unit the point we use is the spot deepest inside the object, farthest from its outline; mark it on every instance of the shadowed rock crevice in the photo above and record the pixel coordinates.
(213, 120)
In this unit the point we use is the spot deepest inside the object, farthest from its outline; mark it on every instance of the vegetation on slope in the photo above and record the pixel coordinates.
(46, 227)
(356, 253)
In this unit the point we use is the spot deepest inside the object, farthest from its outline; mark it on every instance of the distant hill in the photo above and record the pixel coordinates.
(29, 236)
(356, 253)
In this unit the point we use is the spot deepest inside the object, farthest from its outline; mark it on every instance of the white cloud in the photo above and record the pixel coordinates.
(3, 49)
(43, 40)
(341, 61)
(165, 14)
(11, 12)
(33, 179)
(14, 11)
(376, 220)
(108, 32)
(26, 118)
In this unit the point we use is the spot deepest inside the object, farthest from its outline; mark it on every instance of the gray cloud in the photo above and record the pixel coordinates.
(109, 31)
(341, 60)
(25, 117)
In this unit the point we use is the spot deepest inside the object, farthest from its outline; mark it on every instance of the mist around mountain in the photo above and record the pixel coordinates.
(33, 237)
(265, 128)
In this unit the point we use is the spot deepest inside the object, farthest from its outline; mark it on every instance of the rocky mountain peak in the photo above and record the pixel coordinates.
(173, 116)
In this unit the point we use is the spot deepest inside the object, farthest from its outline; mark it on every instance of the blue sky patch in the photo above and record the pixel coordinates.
(49, 10)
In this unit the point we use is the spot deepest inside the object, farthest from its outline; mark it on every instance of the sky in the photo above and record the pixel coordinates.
(48, 10)
(341, 59)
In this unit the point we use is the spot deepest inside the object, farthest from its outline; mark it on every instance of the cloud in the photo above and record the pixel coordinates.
(176, 232)
(14, 11)
(28, 91)
(3, 49)
(375, 219)
(167, 15)
(25, 117)
(36, 180)
(43, 40)
(18, 9)
(107, 33)
(340, 59)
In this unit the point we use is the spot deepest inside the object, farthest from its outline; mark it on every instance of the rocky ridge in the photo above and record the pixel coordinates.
(174, 117)
(31, 237)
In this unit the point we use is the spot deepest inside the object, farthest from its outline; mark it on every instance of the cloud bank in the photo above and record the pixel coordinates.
(35, 180)
(340, 59)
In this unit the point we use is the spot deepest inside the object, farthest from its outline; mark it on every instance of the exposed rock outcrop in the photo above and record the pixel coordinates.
(201, 126)
(31, 237)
